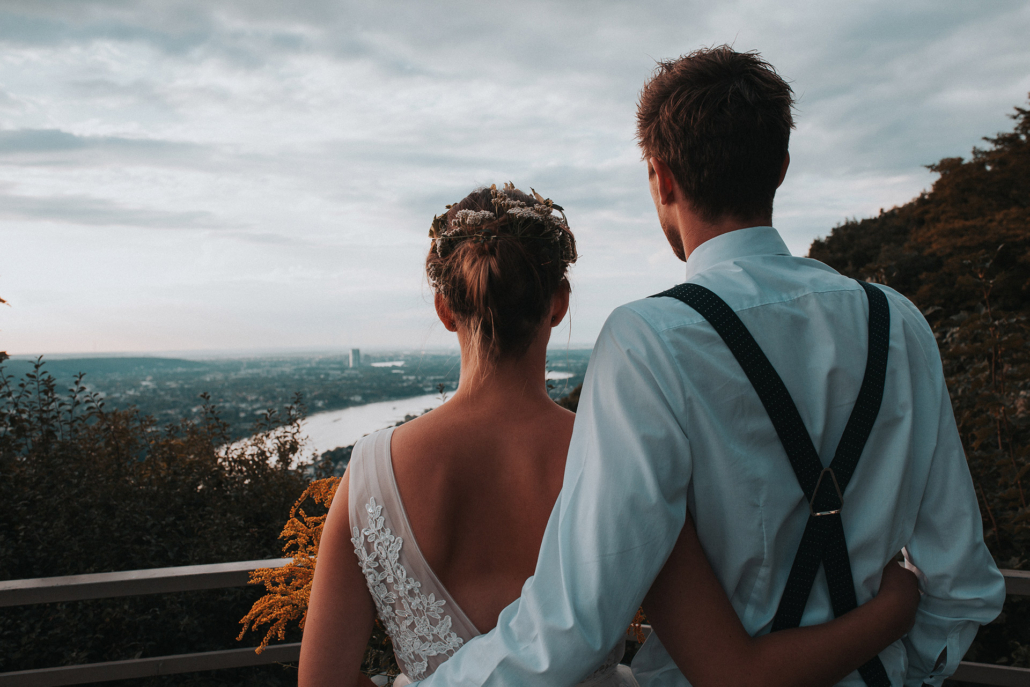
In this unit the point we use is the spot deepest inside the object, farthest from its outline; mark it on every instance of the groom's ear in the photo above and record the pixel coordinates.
(663, 184)
(783, 170)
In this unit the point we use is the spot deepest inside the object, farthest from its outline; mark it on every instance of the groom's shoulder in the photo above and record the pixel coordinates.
(659, 314)
(650, 317)
(812, 285)
(647, 325)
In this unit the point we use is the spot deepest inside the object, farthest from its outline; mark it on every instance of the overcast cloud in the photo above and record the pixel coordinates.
(259, 174)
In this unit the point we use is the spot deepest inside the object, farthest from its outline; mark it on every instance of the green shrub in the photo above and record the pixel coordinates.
(85, 490)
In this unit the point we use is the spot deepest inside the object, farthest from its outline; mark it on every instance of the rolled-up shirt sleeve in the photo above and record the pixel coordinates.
(622, 505)
(963, 588)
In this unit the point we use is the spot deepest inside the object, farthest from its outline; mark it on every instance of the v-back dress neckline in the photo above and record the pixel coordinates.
(425, 623)
(412, 542)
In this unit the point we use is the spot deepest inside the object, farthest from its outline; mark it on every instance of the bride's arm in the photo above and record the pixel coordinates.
(340, 610)
(691, 614)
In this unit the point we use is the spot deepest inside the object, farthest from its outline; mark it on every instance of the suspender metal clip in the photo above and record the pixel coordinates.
(815, 495)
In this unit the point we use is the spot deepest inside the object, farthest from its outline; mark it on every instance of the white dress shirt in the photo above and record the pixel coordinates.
(668, 421)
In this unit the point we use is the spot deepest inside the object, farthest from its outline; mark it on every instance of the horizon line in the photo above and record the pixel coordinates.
(200, 353)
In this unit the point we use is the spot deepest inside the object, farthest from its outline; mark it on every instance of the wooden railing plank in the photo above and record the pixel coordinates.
(150, 667)
(1017, 582)
(214, 576)
(990, 674)
(131, 582)
(978, 673)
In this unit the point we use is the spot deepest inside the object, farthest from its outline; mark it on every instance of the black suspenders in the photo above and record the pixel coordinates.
(823, 540)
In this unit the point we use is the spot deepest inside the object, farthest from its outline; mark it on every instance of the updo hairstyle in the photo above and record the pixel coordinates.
(498, 258)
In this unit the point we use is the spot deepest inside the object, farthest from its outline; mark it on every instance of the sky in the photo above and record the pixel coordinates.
(259, 175)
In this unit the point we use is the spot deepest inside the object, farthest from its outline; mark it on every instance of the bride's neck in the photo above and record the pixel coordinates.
(485, 382)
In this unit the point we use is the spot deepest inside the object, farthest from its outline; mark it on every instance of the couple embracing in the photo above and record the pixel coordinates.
(752, 450)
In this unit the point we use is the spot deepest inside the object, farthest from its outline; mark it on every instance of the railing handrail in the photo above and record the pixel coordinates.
(1017, 582)
(184, 578)
(187, 578)
(237, 573)
(976, 673)
(137, 668)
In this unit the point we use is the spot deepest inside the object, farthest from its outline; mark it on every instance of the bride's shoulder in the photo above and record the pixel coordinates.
(429, 447)
(426, 430)
(371, 447)
(369, 471)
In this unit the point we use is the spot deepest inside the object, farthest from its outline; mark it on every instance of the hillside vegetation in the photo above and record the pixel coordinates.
(961, 253)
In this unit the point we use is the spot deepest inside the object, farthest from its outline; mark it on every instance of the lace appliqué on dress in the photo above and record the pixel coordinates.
(408, 614)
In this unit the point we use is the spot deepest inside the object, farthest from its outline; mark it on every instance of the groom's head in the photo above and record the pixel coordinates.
(720, 121)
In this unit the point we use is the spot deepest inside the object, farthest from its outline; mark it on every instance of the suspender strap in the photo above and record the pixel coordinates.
(829, 531)
(823, 540)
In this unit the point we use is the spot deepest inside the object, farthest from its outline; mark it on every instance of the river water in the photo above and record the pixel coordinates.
(335, 428)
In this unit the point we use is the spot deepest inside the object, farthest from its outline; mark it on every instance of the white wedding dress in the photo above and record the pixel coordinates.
(425, 624)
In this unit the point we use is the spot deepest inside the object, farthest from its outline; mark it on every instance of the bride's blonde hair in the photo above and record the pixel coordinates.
(498, 258)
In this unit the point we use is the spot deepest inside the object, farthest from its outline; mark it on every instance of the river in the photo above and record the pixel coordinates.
(335, 428)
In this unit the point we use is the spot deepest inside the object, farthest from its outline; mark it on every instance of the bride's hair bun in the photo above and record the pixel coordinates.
(498, 258)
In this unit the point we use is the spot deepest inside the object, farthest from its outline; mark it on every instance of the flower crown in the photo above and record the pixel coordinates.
(524, 222)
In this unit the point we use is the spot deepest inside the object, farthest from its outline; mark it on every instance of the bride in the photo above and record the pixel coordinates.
(437, 523)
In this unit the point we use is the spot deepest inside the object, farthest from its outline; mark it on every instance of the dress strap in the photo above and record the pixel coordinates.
(424, 622)
(823, 540)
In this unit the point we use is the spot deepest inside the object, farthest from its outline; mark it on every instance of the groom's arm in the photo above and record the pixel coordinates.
(963, 587)
(621, 509)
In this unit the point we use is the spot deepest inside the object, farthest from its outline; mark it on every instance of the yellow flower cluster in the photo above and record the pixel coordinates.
(289, 587)
(636, 629)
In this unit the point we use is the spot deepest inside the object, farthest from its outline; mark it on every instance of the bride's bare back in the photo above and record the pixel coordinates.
(479, 477)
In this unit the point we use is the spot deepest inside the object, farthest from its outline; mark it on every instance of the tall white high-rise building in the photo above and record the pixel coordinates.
(355, 357)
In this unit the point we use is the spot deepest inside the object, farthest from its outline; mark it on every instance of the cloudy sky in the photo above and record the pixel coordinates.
(260, 175)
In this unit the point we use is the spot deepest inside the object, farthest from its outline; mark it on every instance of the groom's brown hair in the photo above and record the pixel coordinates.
(721, 121)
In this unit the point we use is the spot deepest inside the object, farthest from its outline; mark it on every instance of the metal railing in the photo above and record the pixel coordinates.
(217, 576)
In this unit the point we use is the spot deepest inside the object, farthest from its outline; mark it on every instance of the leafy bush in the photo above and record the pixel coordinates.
(571, 402)
(85, 490)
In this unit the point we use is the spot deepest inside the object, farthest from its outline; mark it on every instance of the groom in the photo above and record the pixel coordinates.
(669, 422)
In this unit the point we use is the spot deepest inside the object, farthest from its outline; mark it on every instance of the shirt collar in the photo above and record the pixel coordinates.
(735, 244)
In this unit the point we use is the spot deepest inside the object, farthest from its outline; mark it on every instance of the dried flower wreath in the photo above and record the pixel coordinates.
(510, 217)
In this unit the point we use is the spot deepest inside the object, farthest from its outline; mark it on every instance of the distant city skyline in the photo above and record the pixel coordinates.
(177, 175)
